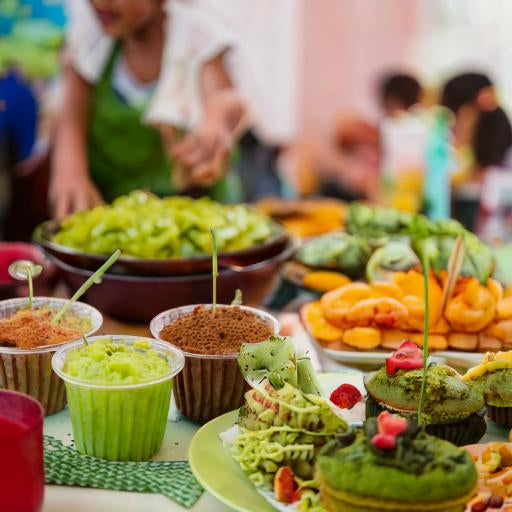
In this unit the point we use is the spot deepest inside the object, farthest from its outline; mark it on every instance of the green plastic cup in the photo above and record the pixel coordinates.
(120, 422)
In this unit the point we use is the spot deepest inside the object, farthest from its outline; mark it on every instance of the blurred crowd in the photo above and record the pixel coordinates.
(160, 94)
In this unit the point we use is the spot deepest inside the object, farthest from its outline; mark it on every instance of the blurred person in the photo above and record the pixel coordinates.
(147, 103)
(482, 130)
(398, 93)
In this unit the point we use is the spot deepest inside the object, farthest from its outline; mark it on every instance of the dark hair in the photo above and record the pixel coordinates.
(404, 88)
(493, 133)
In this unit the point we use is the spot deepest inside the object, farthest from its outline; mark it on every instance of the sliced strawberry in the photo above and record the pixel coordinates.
(391, 425)
(408, 356)
(345, 396)
(384, 442)
(285, 486)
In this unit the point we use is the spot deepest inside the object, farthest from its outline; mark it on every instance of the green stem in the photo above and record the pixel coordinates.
(426, 270)
(215, 270)
(30, 287)
(94, 279)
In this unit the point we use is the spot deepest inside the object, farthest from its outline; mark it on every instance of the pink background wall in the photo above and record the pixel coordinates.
(345, 46)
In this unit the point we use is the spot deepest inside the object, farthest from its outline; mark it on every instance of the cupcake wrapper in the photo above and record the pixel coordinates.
(207, 388)
(467, 431)
(32, 374)
(500, 415)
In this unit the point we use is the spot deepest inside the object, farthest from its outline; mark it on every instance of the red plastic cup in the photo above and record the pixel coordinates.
(21, 449)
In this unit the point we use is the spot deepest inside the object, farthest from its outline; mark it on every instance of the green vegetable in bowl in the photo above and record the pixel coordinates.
(338, 250)
(145, 226)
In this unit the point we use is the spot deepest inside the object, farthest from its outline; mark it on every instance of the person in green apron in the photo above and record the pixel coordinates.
(104, 147)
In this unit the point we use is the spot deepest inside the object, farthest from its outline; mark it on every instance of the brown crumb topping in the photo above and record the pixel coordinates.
(202, 332)
(32, 328)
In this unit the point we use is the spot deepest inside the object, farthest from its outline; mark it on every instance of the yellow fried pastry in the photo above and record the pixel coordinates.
(376, 312)
(472, 306)
(463, 341)
(363, 338)
(337, 303)
(317, 325)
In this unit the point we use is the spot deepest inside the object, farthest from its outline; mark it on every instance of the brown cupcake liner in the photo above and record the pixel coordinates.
(500, 415)
(467, 431)
(209, 387)
(32, 374)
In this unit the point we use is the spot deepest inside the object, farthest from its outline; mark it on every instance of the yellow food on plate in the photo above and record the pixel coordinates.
(496, 289)
(501, 330)
(504, 308)
(337, 303)
(435, 341)
(315, 322)
(463, 341)
(412, 285)
(487, 343)
(325, 281)
(442, 327)
(363, 338)
(393, 338)
(472, 306)
(377, 312)
(385, 289)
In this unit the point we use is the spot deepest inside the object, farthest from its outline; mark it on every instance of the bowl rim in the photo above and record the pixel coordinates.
(93, 314)
(153, 326)
(285, 254)
(59, 357)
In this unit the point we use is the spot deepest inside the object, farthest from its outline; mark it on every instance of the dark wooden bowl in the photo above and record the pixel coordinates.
(127, 265)
(140, 298)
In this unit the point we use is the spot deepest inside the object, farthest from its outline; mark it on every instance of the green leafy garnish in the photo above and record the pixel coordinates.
(94, 279)
(426, 270)
(215, 270)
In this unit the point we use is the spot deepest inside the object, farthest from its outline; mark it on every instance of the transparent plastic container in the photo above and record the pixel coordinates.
(30, 370)
(120, 422)
(209, 385)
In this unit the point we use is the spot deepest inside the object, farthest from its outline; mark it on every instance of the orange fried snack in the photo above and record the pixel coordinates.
(463, 341)
(313, 318)
(363, 338)
(324, 280)
(393, 338)
(496, 289)
(435, 341)
(337, 303)
(377, 312)
(502, 330)
(504, 308)
(472, 306)
(412, 285)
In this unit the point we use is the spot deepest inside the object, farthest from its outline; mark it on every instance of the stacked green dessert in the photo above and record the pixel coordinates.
(395, 466)
(494, 377)
(452, 409)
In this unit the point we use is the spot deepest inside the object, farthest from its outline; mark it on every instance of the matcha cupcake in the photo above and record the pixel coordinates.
(395, 466)
(494, 377)
(453, 410)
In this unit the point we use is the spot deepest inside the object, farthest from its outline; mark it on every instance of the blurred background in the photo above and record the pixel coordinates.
(331, 85)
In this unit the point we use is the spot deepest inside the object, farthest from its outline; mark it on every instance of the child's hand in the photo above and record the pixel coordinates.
(70, 192)
(205, 152)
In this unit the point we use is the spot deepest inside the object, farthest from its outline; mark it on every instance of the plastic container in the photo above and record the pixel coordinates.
(209, 385)
(30, 370)
(120, 422)
(21, 446)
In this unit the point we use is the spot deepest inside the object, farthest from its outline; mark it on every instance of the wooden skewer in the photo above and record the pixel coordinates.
(454, 268)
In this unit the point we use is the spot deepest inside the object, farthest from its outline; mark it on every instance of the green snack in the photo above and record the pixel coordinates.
(145, 226)
(393, 257)
(421, 473)
(338, 250)
(110, 420)
(447, 398)
(283, 427)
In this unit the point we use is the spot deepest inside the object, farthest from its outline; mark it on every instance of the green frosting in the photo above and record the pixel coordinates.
(447, 398)
(104, 362)
(497, 387)
(428, 470)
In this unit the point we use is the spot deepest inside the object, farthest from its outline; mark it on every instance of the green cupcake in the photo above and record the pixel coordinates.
(453, 410)
(494, 377)
(395, 466)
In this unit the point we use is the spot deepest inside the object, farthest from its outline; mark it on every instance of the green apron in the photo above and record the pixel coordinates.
(124, 154)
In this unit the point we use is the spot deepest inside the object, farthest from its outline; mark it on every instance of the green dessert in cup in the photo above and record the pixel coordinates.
(119, 390)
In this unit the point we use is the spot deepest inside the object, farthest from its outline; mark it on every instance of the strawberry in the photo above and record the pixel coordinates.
(408, 356)
(391, 425)
(285, 486)
(345, 396)
(384, 442)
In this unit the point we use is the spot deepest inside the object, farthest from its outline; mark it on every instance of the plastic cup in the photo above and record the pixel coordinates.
(120, 422)
(209, 385)
(21, 449)
(30, 370)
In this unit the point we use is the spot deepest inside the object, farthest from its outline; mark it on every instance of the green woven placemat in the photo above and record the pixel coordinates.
(174, 479)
